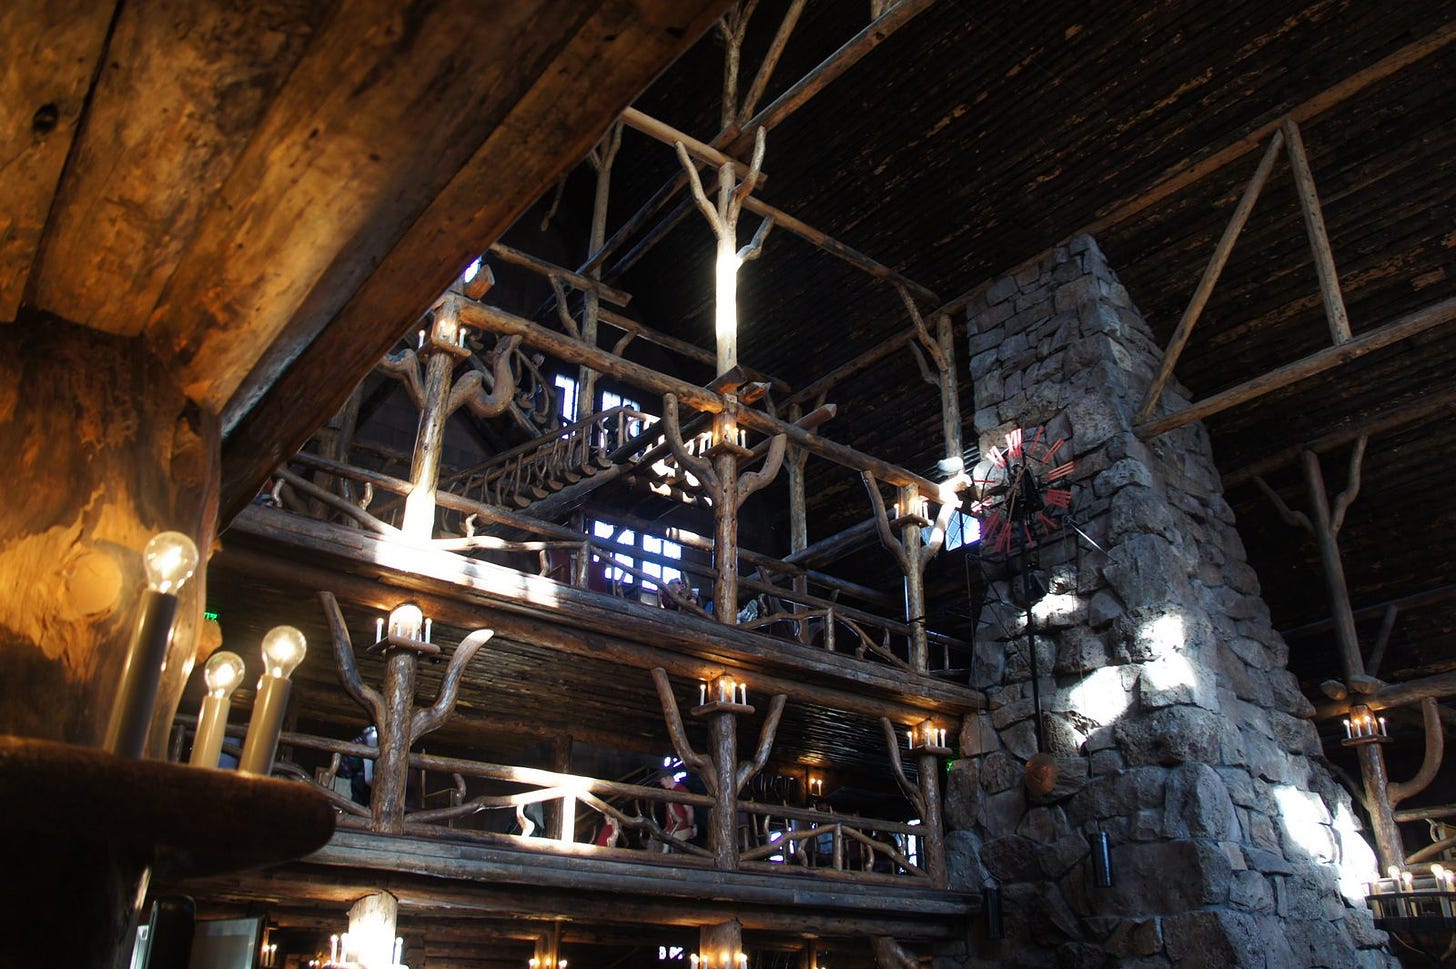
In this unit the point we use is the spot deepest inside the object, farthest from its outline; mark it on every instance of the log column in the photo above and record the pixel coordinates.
(372, 921)
(113, 453)
(719, 945)
(912, 541)
(419, 507)
(928, 765)
(391, 771)
(723, 827)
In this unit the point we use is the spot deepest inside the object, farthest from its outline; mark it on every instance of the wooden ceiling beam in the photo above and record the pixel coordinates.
(569, 103)
(1387, 420)
(53, 51)
(378, 116)
(1401, 329)
(173, 111)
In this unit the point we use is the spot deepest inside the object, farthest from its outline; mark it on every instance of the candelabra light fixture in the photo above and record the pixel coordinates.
(283, 649)
(1364, 727)
(719, 960)
(1412, 900)
(927, 738)
(723, 692)
(407, 628)
(546, 962)
(345, 952)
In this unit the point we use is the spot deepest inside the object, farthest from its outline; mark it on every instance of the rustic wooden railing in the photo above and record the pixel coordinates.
(792, 602)
(778, 838)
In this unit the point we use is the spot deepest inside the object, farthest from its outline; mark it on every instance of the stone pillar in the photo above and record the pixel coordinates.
(1174, 725)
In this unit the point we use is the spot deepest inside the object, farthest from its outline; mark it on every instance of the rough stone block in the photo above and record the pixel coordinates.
(1080, 650)
(1146, 572)
(1000, 289)
(1044, 825)
(999, 772)
(1135, 937)
(1197, 805)
(1250, 892)
(1012, 859)
(963, 861)
(1172, 735)
(1061, 855)
(1218, 938)
(1163, 877)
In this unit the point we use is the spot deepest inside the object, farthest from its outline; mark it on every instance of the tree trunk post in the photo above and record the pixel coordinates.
(114, 453)
(391, 770)
(419, 507)
(912, 540)
(933, 822)
(720, 945)
(723, 829)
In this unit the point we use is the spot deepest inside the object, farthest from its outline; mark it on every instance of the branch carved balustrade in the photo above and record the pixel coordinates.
(785, 839)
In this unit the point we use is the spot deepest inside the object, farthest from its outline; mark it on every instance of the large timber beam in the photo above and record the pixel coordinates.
(1403, 328)
(560, 110)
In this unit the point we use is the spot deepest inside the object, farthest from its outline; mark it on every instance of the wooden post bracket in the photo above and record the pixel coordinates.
(424, 720)
(892, 743)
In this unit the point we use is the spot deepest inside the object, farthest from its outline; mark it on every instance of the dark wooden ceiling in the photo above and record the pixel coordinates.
(978, 136)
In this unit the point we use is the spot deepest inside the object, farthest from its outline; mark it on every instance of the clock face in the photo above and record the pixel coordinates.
(1025, 494)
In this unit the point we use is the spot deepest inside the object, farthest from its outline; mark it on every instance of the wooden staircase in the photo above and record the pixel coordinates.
(553, 473)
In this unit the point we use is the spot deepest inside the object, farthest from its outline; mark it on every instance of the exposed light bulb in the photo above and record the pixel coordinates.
(170, 559)
(223, 672)
(283, 649)
(405, 621)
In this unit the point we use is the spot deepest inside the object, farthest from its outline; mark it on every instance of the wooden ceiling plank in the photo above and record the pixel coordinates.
(379, 114)
(52, 50)
(184, 86)
(600, 70)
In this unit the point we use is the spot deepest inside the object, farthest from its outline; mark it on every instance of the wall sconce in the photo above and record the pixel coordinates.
(223, 672)
(724, 960)
(995, 926)
(408, 628)
(170, 559)
(1102, 860)
(283, 649)
(927, 738)
(268, 955)
(1364, 727)
(816, 787)
(723, 692)
(546, 963)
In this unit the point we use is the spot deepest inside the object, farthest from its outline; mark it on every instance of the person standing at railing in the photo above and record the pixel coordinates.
(678, 820)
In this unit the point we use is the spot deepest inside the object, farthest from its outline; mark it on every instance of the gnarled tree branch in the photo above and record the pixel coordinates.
(747, 769)
(701, 764)
(426, 720)
(892, 743)
(366, 696)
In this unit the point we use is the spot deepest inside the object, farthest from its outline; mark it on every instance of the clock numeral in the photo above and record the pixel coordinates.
(1050, 524)
(1057, 497)
(1060, 471)
(997, 457)
(1026, 531)
(1031, 446)
(1056, 446)
(1013, 443)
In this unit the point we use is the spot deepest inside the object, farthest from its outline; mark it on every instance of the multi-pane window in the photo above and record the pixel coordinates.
(651, 544)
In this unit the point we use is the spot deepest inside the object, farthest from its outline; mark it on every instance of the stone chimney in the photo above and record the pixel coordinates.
(1175, 729)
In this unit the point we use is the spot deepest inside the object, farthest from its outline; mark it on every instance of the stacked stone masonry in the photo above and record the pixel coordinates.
(1175, 726)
